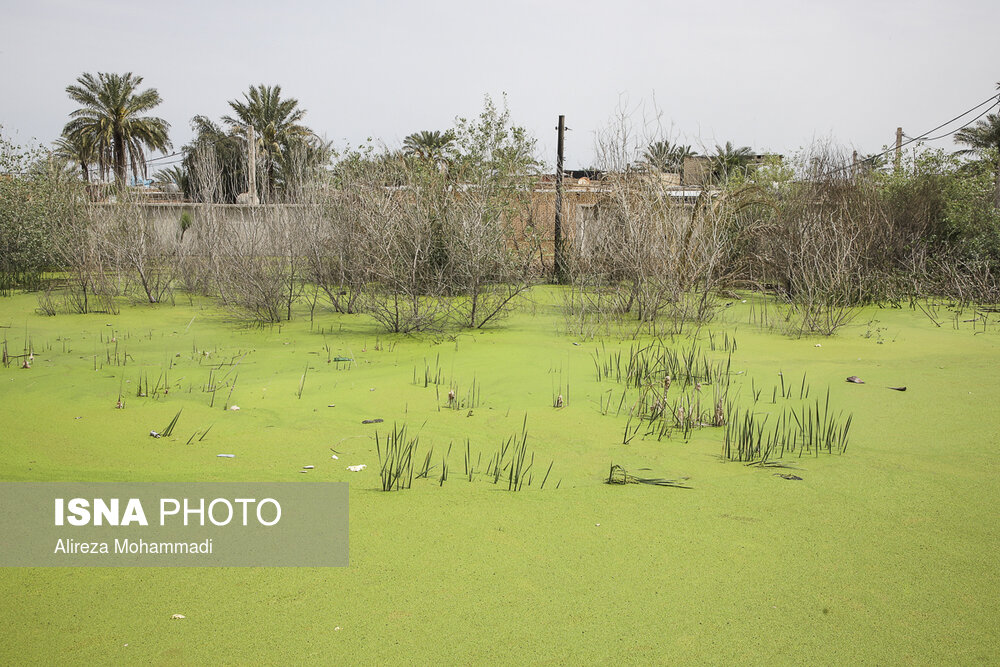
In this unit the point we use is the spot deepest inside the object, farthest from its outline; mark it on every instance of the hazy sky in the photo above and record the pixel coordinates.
(768, 74)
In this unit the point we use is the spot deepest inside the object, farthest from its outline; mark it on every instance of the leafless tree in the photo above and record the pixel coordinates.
(141, 255)
(649, 253)
(79, 244)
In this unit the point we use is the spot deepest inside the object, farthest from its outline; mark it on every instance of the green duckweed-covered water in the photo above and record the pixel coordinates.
(887, 553)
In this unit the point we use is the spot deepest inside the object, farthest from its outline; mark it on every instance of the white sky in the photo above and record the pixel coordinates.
(769, 74)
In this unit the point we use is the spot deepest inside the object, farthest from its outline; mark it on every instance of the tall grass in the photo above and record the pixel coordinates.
(809, 429)
(517, 467)
(302, 382)
(665, 389)
(170, 427)
(395, 454)
(655, 361)
(430, 376)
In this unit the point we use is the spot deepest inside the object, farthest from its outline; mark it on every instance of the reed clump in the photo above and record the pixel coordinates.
(809, 429)
(395, 455)
(667, 390)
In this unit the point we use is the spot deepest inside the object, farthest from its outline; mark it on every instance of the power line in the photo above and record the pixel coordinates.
(157, 159)
(181, 152)
(992, 98)
(941, 136)
(995, 99)
(165, 164)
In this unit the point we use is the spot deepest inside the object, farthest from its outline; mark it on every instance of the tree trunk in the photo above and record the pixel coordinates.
(119, 140)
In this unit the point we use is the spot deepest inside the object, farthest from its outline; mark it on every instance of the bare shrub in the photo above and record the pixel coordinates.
(407, 290)
(336, 259)
(428, 242)
(254, 261)
(824, 240)
(198, 243)
(648, 255)
(343, 238)
(39, 194)
(250, 257)
(132, 245)
(489, 256)
(79, 245)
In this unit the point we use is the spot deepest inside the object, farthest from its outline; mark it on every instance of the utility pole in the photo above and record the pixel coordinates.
(560, 269)
(899, 146)
(252, 164)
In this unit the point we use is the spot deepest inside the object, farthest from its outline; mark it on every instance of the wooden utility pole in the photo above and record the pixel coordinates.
(899, 146)
(252, 164)
(996, 188)
(560, 268)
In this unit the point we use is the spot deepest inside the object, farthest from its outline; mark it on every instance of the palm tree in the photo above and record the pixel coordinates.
(111, 120)
(276, 124)
(666, 157)
(301, 163)
(80, 149)
(429, 145)
(229, 150)
(982, 137)
(659, 155)
(729, 160)
(176, 176)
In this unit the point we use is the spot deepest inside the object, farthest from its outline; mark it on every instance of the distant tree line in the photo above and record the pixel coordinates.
(441, 232)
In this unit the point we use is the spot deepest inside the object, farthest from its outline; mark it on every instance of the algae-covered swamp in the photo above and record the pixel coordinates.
(781, 514)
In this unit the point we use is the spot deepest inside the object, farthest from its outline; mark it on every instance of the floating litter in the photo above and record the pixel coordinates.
(175, 617)
(235, 407)
(357, 468)
(226, 456)
(152, 434)
(334, 457)
(308, 467)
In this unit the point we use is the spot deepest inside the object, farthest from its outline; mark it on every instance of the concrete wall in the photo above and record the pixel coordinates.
(166, 216)
(538, 219)
(543, 214)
